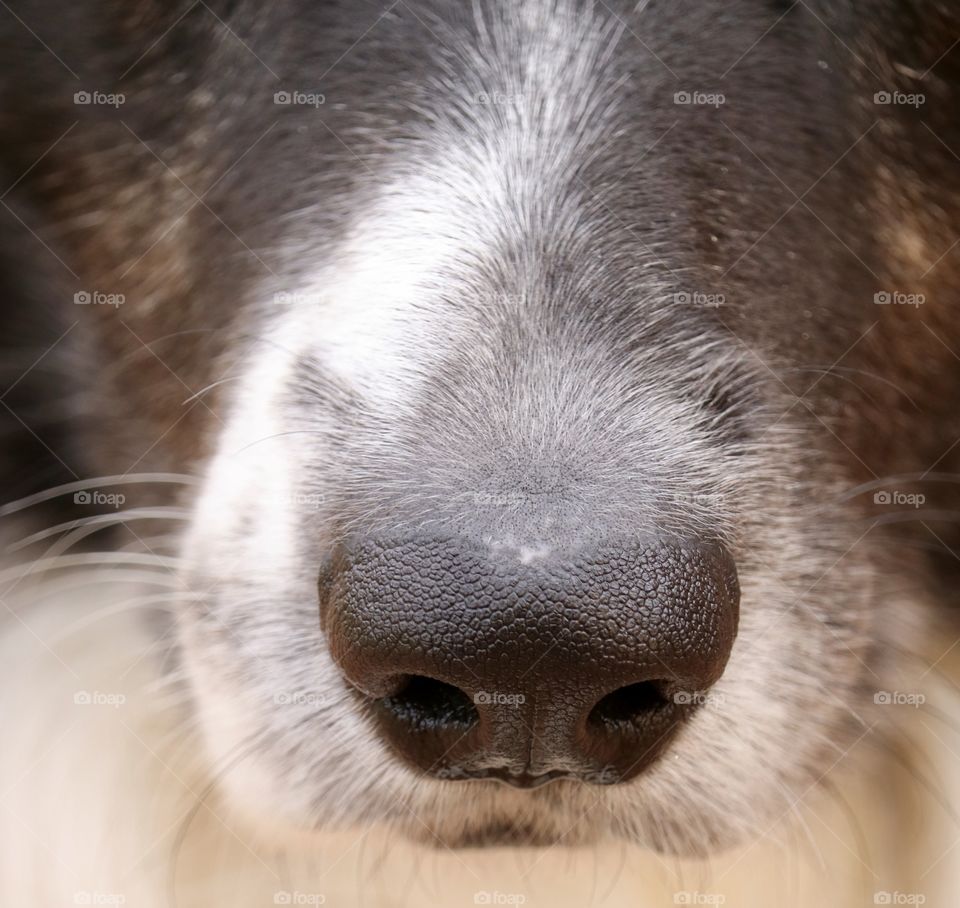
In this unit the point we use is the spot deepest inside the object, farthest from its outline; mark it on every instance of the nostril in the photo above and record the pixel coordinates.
(627, 704)
(430, 704)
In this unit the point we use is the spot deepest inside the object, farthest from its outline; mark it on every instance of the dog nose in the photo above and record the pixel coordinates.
(477, 665)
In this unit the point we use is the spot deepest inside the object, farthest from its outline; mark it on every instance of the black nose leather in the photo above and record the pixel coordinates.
(476, 665)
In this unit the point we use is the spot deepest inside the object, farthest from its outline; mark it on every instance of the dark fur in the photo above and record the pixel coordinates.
(198, 98)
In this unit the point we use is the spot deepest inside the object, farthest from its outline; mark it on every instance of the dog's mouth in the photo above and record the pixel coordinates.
(543, 826)
(505, 835)
(490, 814)
(521, 780)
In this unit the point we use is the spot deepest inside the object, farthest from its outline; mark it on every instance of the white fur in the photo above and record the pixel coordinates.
(94, 799)
(379, 305)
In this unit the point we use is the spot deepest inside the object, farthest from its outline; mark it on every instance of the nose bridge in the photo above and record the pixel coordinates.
(553, 662)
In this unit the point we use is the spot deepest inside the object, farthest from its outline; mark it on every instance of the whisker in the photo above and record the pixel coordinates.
(836, 374)
(895, 749)
(98, 521)
(152, 544)
(856, 829)
(280, 435)
(210, 387)
(96, 559)
(242, 751)
(47, 587)
(837, 371)
(905, 478)
(130, 605)
(914, 514)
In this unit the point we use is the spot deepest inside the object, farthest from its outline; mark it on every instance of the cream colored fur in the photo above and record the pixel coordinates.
(109, 802)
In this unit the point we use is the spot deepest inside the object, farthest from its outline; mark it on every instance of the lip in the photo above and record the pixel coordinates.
(504, 835)
(523, 780)
(518, 780)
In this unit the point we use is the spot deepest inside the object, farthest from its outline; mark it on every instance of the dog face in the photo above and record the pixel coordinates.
(522, 516)
(514, 487)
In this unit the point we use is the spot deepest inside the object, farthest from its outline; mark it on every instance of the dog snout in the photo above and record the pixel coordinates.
(475, 665)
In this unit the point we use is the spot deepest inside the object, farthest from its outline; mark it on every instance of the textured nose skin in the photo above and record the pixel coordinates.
(475, 665)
